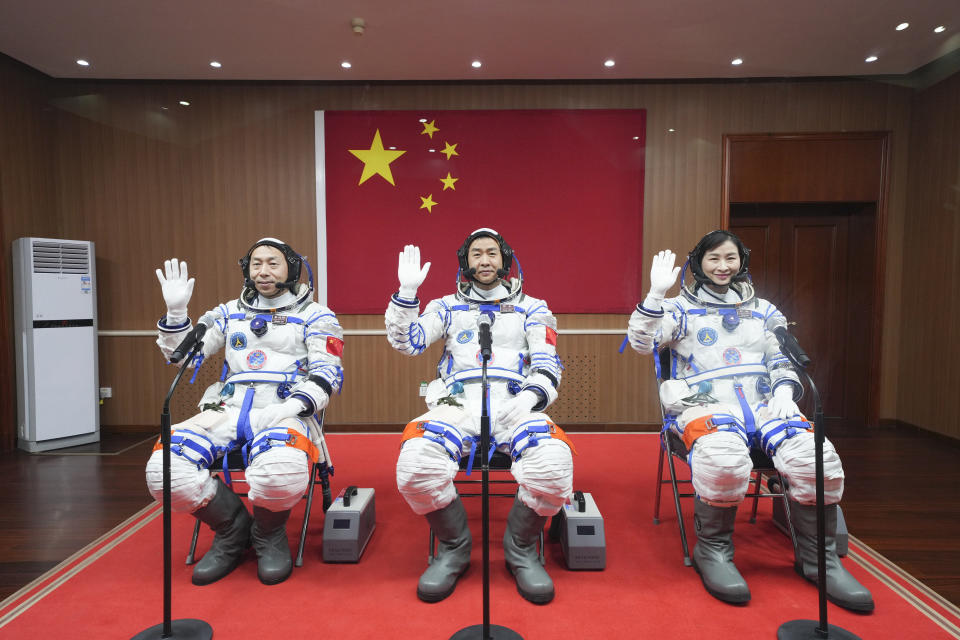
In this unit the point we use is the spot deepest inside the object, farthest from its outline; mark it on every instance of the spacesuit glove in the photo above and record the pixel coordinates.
(176, 287)
(273, 414)
(517, 407)
(781, 405)
(410, 273)
(663, 274)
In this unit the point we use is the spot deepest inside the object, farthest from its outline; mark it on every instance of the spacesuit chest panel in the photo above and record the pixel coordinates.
(278, 349)
(718, 340)
(509, 344)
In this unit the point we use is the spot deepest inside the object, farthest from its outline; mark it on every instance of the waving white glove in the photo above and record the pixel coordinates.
(409, 272)
(517, 407)
(270, 416)
(662, 273)
(177, 289)
(781, 405)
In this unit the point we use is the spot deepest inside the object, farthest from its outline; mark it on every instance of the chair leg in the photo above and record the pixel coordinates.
(786, 511)
(656, 500)
(756, 497)
(193, 543)
(306, 514)
(676, 502)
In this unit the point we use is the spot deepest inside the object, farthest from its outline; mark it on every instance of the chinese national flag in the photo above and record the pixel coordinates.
(563, 187)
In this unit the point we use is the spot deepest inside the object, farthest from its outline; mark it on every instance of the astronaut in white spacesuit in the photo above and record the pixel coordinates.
(524, 372)
(732, 389)
(281, 364)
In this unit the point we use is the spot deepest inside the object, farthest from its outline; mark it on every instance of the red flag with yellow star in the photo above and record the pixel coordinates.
(563, 187)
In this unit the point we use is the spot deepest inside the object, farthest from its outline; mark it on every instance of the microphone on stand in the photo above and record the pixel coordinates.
(790, 346)
(486, 337)
(192, 338)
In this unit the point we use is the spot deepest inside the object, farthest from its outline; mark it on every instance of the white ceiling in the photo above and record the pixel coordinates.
(438, 39)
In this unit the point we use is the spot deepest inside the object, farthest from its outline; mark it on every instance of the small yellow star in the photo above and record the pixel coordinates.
(448, 182)
(449, 149)
(429, 128)
(428, 203)
(376, 160)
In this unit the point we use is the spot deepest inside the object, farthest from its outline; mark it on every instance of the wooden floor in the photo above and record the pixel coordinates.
(902, 499)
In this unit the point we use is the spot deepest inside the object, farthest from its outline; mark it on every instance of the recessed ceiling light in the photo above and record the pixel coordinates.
(902, 26)
(609, 63)
(393, 147)
(215, 64)
(870, 59)
(185, 103)
(165, 108)
(346, 64)
(940, 29)
(83, 63)
(476, 64)
(423, 119)
(736, 61)
(636, 137)
(432, 150)
(671, 130)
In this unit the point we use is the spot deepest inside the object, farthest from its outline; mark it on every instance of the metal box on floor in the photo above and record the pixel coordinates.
(581, 534)
(348, 525)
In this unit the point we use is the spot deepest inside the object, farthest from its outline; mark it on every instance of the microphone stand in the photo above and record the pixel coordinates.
(813, 629)
(485, 631)
(183, 628)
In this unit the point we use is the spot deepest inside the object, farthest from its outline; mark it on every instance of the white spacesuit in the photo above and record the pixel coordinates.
(523, 371)
(281, 364)
(731, 388)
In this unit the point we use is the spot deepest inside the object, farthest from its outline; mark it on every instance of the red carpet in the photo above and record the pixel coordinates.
(113, 589)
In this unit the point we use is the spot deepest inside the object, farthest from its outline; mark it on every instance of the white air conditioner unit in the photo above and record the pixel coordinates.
(55, 320)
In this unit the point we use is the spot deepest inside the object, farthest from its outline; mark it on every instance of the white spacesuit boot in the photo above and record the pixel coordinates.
(230, 521)
(269, 536)
(453, 552)
(713, 553)
(520, 552)
(842, 588)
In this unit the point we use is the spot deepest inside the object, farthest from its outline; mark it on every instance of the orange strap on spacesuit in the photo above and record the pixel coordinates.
(560, 434)
(696, 428)
(299, 441)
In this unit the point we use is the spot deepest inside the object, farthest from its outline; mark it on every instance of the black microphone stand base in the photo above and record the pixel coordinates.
(183, 629)
(804, 629)
(475, 632)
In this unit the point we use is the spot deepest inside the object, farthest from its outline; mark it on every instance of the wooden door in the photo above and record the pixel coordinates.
(814, 262)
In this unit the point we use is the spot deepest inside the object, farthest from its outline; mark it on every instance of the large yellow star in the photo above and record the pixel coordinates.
(449, 149)
(448, 182)
(428, 203)
(376, 160)
(429, 128)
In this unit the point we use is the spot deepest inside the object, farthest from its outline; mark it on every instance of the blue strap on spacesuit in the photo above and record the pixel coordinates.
(446, 435)
(724, 422)
(244, 430)
(268, 317)
(474, 441)
(736, 312)
(769, 439)
(496, 308)
(183, 442)
(265, 441)
(748, 420)
(527, 434)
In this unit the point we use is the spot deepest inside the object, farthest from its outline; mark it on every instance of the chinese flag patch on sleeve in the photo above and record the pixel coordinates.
(335, 346)
(551, 336)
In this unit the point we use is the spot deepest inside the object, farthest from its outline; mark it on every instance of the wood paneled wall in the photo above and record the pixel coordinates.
(929, 342)
(148, 179)
(26, 201)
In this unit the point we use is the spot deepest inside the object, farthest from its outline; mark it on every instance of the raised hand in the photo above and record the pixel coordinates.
(663, 274)
(177, 288)
(410, 273)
